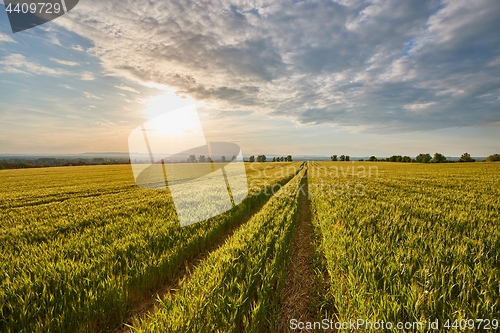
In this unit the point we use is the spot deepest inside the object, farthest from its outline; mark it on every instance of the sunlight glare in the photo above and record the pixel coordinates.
(166, 102)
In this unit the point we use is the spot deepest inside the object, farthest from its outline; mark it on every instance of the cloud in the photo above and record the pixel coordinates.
(122, 87)
(77, 48)
(17, 63)
(87, 76)
(375, 66)
(6, 39)
(419, 106)
(90, 96)
(55, 40)
(64, 62)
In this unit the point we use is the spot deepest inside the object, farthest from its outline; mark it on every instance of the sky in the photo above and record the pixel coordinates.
(277, 77)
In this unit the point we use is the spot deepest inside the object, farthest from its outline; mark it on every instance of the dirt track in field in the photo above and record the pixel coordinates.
(296, 302)
(147, 305)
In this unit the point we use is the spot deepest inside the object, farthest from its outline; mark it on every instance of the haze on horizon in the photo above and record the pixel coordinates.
(286, 77)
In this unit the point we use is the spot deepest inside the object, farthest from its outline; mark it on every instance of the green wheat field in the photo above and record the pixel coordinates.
(82, 248)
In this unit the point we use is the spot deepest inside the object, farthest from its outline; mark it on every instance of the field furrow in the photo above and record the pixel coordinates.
(85, 274)
(296, 300)
(237, 288)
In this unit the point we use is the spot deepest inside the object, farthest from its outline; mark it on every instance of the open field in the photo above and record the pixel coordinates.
(82, 248)
(413, 243)
(81, 245)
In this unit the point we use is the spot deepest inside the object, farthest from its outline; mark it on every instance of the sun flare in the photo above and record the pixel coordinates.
(168, 101)
(186, 119)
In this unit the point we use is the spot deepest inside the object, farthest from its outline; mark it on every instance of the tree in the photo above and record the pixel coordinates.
(342, 157)
(209, 159)
(202, 158)
(282, 159)
(234, 158)
(439, 158)
(274, 159)
(466, 158)
(2, 167)
(396, 158)
(423, 158)
(347, 158)
(373, 158)
(191, 159)
(289, 158)
(261, 158)
(223, 158)
(491, 158)
(406, 159)
(334, 157)
(251, 159)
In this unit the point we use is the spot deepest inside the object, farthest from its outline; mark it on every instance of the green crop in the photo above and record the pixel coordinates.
(410, 242)
(237, 288)
(80, 246)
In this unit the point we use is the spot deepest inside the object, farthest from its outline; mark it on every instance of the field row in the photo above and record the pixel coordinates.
(79, 262)
(417, 243)
(238, 287)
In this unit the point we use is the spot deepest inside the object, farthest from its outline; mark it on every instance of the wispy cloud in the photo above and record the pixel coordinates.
(90, 96)
(55, 40)
(77, 48)
(87, 76)
(64, 62)
(6, 39)
(17, 63)
(122, 87)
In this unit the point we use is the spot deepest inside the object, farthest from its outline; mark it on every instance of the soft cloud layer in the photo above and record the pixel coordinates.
(379, 66)
(17, 63)
(6, 39)
(64, 62)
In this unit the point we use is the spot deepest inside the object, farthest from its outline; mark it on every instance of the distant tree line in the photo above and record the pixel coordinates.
(45, 162)
(208, 159)
(283, 159)
(425, 158)
(342, 158)
(260, 158)
(263, 158)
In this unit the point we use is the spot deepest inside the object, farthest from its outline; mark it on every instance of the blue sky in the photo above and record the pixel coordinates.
(277, 77)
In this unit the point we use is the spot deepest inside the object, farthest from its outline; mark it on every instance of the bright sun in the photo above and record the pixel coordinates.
(168, 101)
(182, 109)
